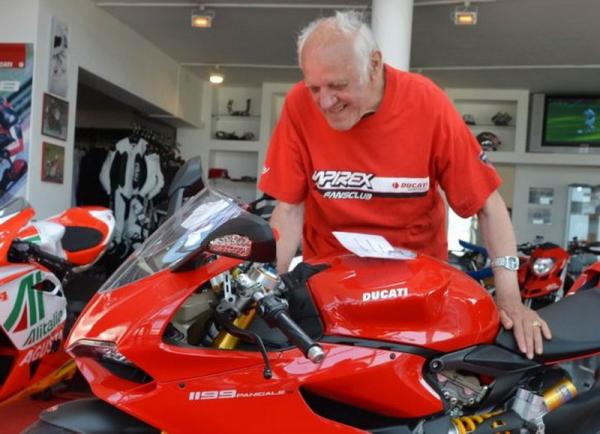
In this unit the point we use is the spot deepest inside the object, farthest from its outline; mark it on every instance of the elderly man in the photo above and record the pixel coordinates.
(363, 147)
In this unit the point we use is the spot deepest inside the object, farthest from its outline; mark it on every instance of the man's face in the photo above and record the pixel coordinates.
(333, 78)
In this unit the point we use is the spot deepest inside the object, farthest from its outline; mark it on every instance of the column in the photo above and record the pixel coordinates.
(391, 22)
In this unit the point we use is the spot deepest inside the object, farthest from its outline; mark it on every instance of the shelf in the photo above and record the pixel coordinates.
(492, 126)
(538, 159)
(236, 145)
(225, 117)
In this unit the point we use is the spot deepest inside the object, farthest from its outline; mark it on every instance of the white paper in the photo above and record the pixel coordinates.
(371, 246)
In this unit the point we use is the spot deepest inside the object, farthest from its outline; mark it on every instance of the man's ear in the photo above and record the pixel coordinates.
(376, 64)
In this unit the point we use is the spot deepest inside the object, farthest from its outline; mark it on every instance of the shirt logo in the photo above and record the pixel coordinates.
(265, 170)
(344, 184)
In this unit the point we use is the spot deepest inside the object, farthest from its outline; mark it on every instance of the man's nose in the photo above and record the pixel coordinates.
(327, 99)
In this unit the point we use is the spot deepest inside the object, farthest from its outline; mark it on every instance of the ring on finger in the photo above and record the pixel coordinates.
(536, 323)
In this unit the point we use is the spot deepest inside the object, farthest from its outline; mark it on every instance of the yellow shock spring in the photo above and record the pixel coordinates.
(468, 424)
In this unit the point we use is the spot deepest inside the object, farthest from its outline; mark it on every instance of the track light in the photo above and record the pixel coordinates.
(202, 18)
(216, 76)
(465, 15)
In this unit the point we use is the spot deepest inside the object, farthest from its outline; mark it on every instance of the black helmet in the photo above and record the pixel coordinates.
(488, 141)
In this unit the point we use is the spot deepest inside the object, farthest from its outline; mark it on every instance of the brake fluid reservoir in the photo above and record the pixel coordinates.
(265, 276)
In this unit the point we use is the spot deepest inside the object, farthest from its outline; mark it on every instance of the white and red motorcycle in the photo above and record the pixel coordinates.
(37, 258)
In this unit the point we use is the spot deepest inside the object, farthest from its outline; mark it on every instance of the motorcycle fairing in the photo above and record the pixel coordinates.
(420, 302)
(33, 322)
(79, 235)
(13, 216)
(27, 314)
(88, 230)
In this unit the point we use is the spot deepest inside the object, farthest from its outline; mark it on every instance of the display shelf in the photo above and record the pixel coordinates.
(226, 117)
(483, 104)
(235, 145)
(528, 158)
(228, 100)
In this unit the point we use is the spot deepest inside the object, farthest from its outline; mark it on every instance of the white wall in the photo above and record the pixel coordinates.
(554, 177)
(105, 47)
(17, 22)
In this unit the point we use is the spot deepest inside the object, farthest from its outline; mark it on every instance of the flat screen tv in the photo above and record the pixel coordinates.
(571, 121)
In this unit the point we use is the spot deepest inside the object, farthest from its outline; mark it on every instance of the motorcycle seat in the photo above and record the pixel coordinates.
(575, 325)
(77, 238)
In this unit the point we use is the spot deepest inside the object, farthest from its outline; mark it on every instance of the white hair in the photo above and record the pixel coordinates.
(349, 23)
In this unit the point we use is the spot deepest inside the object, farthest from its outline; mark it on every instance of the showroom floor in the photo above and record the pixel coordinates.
(18, 415)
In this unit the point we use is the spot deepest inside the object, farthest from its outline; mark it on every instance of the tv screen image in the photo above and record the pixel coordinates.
(572, 121)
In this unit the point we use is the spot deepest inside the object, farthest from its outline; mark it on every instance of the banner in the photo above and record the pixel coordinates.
(16, 76)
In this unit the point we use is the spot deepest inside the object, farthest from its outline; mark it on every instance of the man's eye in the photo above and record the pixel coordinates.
(313, 89)
(339, 86)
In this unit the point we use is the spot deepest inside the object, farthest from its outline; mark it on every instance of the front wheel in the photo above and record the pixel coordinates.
(41, 427)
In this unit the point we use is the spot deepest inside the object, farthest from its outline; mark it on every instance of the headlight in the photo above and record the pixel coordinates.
(542, 266)
(97, 350)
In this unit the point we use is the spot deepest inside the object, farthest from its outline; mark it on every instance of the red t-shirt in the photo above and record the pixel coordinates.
(381, 176)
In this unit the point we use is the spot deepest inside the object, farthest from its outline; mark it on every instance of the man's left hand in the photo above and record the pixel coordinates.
(528, 327)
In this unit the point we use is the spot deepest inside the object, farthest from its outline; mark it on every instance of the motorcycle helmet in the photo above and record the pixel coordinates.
(488, 141)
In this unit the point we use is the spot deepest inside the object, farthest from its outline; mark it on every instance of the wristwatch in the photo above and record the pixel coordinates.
(509, 262)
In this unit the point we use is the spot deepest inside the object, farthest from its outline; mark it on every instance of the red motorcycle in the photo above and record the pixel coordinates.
(37, 258)
(542, 274)
(197, 333)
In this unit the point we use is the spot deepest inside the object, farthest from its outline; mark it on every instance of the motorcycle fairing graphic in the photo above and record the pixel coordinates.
(27, 314)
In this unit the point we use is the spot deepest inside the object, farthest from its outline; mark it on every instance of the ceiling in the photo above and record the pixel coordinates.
(541, 45)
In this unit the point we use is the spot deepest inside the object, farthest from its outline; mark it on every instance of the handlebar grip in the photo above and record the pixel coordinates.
(276, 315)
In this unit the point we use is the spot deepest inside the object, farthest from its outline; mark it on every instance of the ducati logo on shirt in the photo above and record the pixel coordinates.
(343, 184)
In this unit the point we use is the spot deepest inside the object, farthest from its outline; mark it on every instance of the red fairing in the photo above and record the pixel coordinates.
(532, 285)
(417, 302)
(209, 382)
(588, 276)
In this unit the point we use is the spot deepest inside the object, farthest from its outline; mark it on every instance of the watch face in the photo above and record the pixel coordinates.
(512, 263)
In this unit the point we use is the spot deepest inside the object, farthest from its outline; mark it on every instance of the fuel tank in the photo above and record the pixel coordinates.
(421, 301)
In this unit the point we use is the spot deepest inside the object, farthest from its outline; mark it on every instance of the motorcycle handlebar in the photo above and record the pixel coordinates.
(23, 251)
(274, 312)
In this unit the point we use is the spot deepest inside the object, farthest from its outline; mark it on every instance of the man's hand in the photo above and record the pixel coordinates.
(528, 327)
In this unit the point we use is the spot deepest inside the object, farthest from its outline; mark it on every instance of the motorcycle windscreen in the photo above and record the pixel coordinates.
(182, 234)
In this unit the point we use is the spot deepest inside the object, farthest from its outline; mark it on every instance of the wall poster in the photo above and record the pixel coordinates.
(16, 75)
(58, 79)
(53, 163)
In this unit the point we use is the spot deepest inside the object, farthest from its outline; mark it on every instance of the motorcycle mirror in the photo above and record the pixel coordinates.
(246, 237)
(187, 182)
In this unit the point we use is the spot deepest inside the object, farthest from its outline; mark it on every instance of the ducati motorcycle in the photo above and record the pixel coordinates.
(36, 259)
(196, 333)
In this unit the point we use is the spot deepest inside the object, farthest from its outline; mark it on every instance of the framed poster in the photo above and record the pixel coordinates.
(16, 78)
(58, 79)
(55, 117)
(53, 163)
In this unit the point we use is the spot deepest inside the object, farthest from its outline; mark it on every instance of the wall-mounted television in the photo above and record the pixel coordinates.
(565, 123)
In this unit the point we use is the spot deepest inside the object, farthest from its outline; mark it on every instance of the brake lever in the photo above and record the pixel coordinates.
(225, 317)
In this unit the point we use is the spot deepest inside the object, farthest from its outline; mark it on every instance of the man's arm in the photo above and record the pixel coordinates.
(499, 237)
(287, 218)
